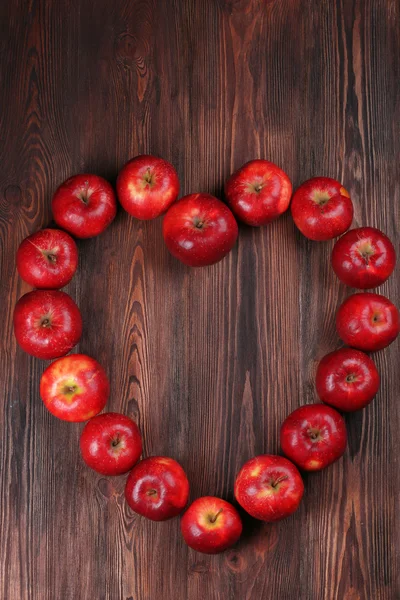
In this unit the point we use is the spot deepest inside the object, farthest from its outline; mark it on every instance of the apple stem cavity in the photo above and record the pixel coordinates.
(84, 195)
(152, 492)
(275, 482)
(199, 223)
(321, 198)
(313, 434)
(366, 251)
(215, 517)
(70, 389)
(351, 378)
(149, 178)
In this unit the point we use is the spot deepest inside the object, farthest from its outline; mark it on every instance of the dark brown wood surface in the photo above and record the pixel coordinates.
(208, 361)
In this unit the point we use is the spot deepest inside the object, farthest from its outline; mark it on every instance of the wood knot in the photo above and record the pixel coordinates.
(235, 561)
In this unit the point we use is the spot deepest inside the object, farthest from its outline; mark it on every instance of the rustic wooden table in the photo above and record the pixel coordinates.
(208, 361)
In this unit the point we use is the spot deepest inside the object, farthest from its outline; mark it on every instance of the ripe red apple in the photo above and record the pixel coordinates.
(211, 525)
(322, 209)
(313, 436)
(269, 487)
(157, 488)
(368, 321)
(47, 259)
(259, 192)
(199, 230)
(147, 186)
(74, 388)
(84, 205)
(347, 379)
(111, 443)
(363, 258)
(47, 323)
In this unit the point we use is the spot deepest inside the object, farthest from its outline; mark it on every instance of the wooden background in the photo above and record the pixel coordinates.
(208, 361)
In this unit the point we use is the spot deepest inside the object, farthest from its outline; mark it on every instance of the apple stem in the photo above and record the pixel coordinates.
(52, 258)
(279, 480)
(149, 177)
(215, 517)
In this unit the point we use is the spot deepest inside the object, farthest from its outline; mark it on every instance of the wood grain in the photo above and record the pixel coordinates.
(208, 361)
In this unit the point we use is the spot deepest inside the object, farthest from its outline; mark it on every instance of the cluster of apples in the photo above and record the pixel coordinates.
(200, 230)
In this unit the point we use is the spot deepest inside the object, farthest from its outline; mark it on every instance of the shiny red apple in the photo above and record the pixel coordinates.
(111, 443)
(147, 186)
(322, 209)
(363, 258)
(259, 192)
(269, 487)
(199, 230)
(157, 488)
(74, 388)
(368, 321)
(47, 323)
(314, 436)
(347, 379)
(211, 525)
(84, 205)
(47, 259)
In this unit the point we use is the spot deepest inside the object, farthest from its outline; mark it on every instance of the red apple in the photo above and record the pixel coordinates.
(347, 379)
(74, 388)
(314, 436)
(211, 525)
(157, 488)
(322, 209)
(111, 443)
(47, 323)
(259, 192)
(363, 258)
(368, 321)
(147, 186)
(269, 487)
(199, 230)
(47, 259)
(84, 205)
